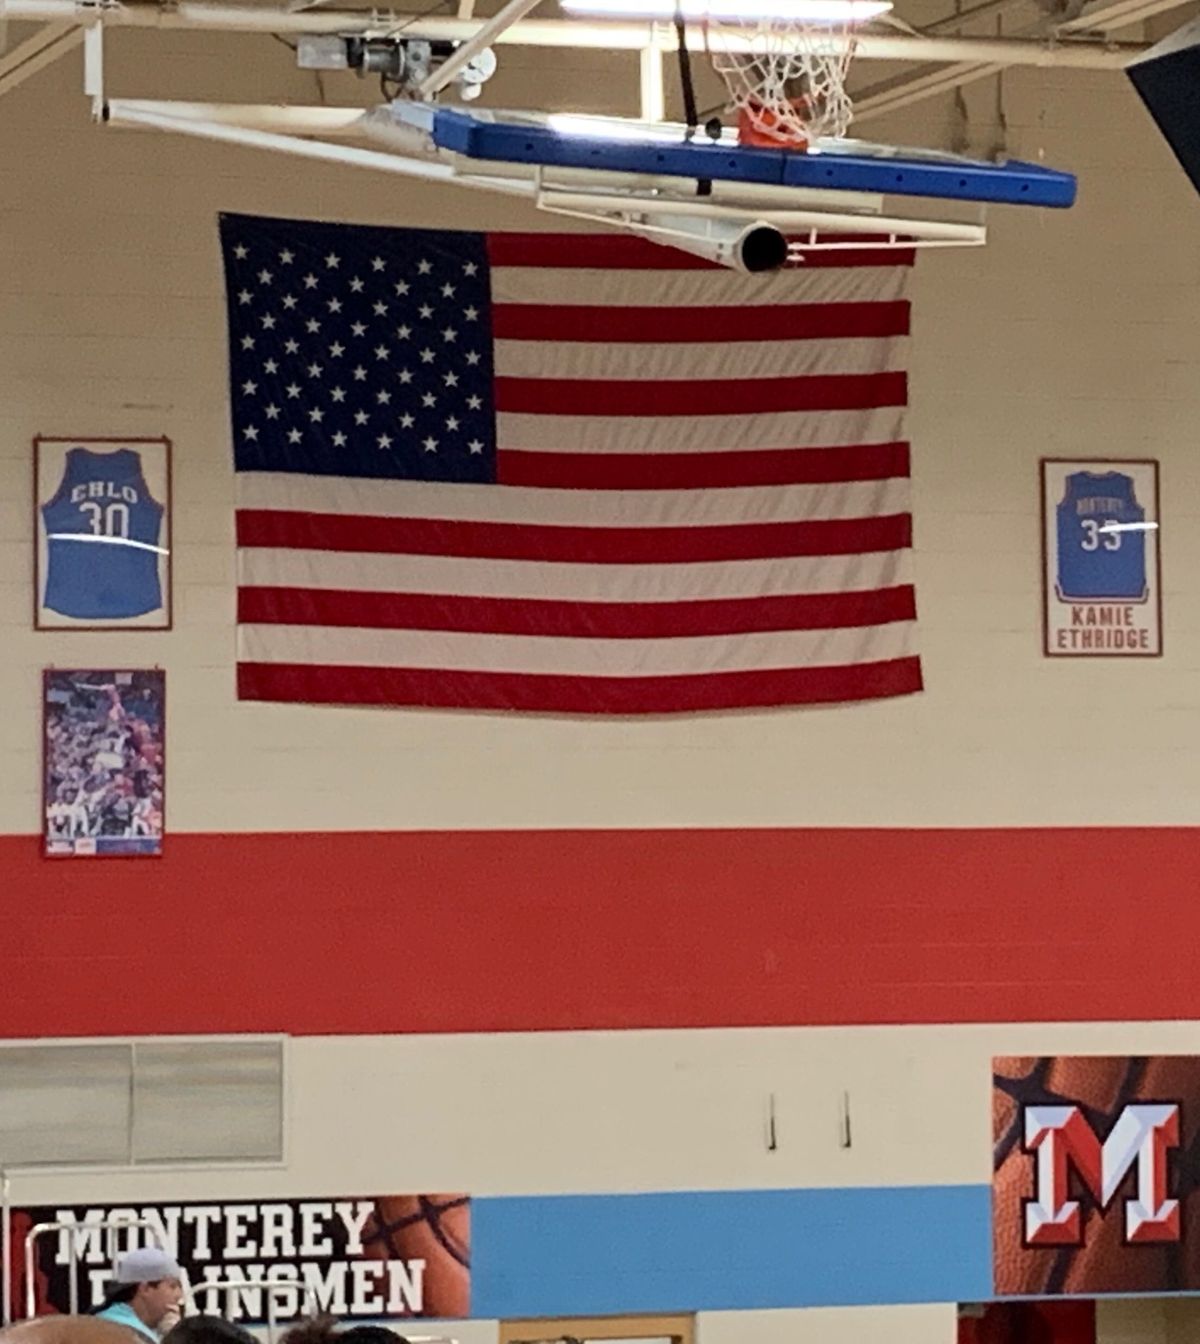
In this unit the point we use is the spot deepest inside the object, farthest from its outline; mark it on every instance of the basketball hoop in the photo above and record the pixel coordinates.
(786, 76)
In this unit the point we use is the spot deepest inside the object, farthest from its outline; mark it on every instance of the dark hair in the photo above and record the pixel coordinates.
(117, 1292)
(369, 1334)
(204, 1329)
(324, 1330)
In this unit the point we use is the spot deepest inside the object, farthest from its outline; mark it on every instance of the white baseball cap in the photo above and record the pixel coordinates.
(146, 1265)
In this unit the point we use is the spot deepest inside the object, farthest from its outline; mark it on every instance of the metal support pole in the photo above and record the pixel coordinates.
(481, 38)
(654, 99)
(93, 68)
(6, 1243)
(111, 1227)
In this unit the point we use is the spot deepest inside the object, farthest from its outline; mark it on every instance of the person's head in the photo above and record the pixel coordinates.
(369, 1334)
(204, 1329)
(68, 1330)
(151, 1283)
(324, 1330)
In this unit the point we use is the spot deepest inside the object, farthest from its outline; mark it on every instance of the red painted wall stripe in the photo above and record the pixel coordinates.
(519, 930)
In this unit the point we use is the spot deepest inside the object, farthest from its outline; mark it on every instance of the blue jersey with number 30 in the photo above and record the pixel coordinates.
(101, 503)
(1093, 565)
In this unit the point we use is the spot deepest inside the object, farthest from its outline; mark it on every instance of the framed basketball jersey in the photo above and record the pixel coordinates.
(1101, 581)
(103, 533)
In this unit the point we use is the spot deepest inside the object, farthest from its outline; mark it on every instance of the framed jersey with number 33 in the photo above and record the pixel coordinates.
(1101, 566)
(103, 533)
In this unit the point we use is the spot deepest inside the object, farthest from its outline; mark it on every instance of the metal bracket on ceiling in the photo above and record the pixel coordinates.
(93, 68)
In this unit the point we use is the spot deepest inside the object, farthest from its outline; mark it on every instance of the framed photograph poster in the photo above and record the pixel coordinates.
(104, 736)
(102, 530)
(1101, 570)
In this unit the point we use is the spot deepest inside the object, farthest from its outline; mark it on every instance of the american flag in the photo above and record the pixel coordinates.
(565, 473)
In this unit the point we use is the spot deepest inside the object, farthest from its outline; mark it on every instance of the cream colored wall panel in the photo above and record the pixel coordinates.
(1132, 1321)
(612, 1112)
(934, 1323)
(1068, 334)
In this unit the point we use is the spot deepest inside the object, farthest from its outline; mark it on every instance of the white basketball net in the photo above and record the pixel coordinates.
(788, 77)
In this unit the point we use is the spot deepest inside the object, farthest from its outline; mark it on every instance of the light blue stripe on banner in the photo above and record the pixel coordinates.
(593, 1255)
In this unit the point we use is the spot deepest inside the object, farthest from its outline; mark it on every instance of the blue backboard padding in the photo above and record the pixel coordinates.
(541, 144)
(595, 1255)
(942, 177)
(1011, 183)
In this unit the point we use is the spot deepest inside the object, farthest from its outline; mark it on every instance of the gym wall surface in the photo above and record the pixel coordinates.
(479, 927)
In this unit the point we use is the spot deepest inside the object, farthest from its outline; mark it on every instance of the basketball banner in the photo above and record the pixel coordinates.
(1096, 1169)
(374, 1258)
(1101, 580)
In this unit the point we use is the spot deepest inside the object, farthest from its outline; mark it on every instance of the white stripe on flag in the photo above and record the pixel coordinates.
(473, 652)
(290, 492)
(696, 289)
(733, 359)
(267, 567)
(698, 434)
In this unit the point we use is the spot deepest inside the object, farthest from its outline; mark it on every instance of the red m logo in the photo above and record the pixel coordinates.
(1062, 1138)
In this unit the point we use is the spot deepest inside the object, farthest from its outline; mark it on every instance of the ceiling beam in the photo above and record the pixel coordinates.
(561, 33)
(1104, 16)
(37, 52)
(891, 95)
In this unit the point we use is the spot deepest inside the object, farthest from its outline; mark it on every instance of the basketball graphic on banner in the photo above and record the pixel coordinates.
(435, 1229)
(1051, 1239)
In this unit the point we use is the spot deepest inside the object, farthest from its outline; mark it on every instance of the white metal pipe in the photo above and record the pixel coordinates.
(561, 33)
(32, 1237)
(121, 114)
(786, 220)
(6, 1244)
(483, 37)
(275, 117)
(914, 233)
(653, 92)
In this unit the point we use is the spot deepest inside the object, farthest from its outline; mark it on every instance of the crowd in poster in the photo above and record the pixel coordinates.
(103, 533)
(371, 1258)
(104, 735)
(1101, 573)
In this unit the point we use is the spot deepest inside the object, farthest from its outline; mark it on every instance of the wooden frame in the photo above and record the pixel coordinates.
(66, 846)
(50, 457)
(1152, 508)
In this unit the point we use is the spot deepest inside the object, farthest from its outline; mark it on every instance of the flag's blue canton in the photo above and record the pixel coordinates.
(358, 351)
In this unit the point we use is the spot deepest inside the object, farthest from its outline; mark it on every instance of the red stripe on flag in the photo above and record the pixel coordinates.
(833, 258)
(615, 251)
(571, 619)
(685, 396)
(765, 322)
(573, 545)
(575, 695)
(683, 471)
